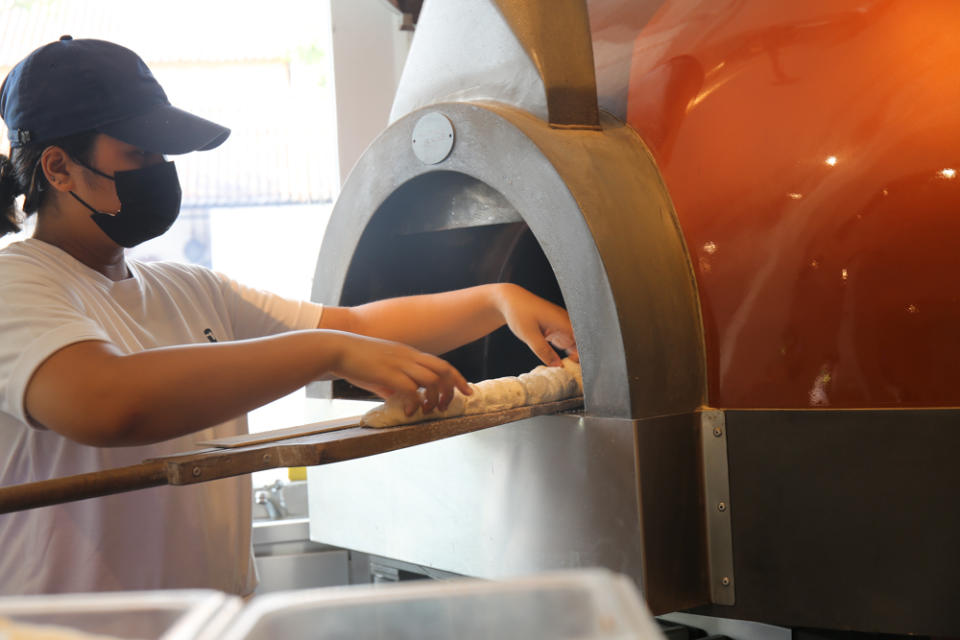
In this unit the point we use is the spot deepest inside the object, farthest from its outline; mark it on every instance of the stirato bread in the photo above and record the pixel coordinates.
(543, 384)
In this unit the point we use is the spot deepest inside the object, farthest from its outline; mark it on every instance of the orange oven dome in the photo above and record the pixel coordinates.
(810, 150)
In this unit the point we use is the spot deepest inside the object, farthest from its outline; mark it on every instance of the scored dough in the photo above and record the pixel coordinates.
(573, 368)
(499, 394)
(392, 414)
(538, 386)
(543, 384)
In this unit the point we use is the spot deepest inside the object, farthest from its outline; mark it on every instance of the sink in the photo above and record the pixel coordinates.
(280, 501)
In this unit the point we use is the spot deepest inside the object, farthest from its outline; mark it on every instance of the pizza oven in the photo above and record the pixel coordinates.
(754, 249)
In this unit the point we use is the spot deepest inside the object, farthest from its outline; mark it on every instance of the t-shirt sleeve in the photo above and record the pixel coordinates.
(37, 319)
(255, 313)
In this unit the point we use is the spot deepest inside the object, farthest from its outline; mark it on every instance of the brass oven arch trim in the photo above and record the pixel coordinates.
(597, 205)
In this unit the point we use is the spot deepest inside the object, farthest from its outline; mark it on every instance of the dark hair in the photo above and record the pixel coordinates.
(21, 174)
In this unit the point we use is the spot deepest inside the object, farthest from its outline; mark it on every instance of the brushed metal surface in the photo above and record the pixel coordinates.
(717, 506)
(550, 492)
(507, 51)
(846, 519)
(284, 572)
(547, 492)
(465, 50)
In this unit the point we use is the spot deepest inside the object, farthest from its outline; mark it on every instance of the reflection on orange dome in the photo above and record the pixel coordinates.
(811, 151)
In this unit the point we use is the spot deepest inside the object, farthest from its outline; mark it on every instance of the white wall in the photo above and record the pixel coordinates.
(368, 55)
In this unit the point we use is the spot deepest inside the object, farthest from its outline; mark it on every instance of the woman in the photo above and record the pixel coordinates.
(105, 362)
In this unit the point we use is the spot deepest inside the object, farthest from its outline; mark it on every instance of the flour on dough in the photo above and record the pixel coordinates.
(574, 369)
(391, 413)
(543, 384)
(501, 394)
(538, 386)
(455, 408)
(554, 379)
(474, 403)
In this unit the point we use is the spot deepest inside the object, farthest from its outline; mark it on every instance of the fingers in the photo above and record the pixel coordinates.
(565, 342)
(388, 368)
(539, 345)
(431, 384)
(446, 371)
(434, 377)
(438, 379)
(410, 403)
(445, 400)
(539, 323)
(561, 340)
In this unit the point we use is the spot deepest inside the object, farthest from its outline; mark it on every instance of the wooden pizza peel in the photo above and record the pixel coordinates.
(302, 446)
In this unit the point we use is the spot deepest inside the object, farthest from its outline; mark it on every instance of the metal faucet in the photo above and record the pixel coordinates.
(271, 497)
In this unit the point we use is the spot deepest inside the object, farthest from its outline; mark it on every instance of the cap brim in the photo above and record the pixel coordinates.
(167, 130)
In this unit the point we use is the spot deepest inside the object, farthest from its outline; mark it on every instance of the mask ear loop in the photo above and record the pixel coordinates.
(37, 167)
(33, 175)
(83, 164)
(89, 168)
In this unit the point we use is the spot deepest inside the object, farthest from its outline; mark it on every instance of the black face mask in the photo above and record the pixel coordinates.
(149, 203)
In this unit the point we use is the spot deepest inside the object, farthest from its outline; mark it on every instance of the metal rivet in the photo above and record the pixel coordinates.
(722, 506)
(725, 581)
(717, 431)
(196, 472)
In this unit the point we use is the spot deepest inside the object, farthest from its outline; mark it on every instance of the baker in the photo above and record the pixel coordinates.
(106, 361)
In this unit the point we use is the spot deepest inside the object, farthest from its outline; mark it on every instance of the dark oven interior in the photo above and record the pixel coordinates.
(442, 231)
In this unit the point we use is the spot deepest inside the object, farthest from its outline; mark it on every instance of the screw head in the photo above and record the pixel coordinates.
(725, 581)
(266, 457)
(717, 431)
(196, 472)
(722, 506)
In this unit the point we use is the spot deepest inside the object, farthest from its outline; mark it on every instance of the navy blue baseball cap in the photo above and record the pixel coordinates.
(74, 86)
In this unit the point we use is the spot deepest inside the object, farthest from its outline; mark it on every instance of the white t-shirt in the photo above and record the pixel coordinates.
(160, 538)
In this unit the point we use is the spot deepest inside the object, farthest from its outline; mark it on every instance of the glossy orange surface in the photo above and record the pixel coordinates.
(812, 151)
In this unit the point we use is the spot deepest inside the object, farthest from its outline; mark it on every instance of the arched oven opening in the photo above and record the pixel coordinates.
(442, 231)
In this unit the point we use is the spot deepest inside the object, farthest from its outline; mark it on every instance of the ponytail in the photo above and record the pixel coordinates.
(21, 174)
(9, 190)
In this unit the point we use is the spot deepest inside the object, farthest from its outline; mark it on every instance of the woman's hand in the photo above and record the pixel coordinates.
(386, 368)
(537, 322)
(440, 322)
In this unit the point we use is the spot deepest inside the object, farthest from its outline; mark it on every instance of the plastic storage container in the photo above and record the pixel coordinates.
(198, 614)
(590, 604)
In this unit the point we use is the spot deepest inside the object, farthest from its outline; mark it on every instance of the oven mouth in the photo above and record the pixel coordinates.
(443, 231)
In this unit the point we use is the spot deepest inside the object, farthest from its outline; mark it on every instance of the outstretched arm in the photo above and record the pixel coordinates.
(440, 322)
(92, 393)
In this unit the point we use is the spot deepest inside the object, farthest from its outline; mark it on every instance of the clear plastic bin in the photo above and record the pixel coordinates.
(590, 604)
(195, 614)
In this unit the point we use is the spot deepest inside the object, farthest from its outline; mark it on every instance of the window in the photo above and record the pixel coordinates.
(256, 207)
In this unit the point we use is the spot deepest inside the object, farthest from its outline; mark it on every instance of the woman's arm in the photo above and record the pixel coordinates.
(440, 322)
(92, 393)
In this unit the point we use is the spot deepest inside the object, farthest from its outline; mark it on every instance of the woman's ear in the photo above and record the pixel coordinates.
(58, 168)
